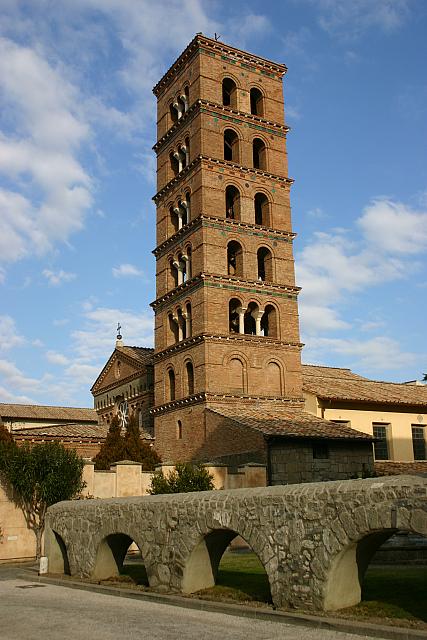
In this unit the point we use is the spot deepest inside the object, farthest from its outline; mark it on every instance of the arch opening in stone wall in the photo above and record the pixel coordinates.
(173, 113)
(235, 316)
(259, 154)
(262, 210)
(237, 375)
(189, 378)
(273, 379)
(265, 264)
(232, 202)
(216, 560)
(269, 322)
(252, 315)
(172, 330)
(174, 219)
(257, 102)
(173, 272)
(188, 320)
(229, 93)
(118, 554)
(234, 259)
(58, 554)
(231, 146)
(348, 568)
(174, 164)
(170, 385)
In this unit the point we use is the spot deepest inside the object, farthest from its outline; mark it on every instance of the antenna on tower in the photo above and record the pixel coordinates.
(217, 36)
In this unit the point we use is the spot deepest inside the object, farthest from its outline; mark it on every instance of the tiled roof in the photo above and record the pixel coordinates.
(143, 354)
(289, 422)
(73, 431)
(390, 468)
(343, 384)
(39, 412)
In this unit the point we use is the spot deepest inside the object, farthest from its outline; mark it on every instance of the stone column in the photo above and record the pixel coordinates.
(183, 97)
(186, 206)
(257, 315)
(187, 269)
(186, 152)
(179, 213)
(241, 311)
(178, 156)
(178, 106)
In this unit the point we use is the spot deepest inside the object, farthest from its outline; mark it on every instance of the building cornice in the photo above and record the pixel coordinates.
(201, 43)
(201, 159)
(207, 397)
(224, 113)
(230, 283)
(228, 338)
(226, 224)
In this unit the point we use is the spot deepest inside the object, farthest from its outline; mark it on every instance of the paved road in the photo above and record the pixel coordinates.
(30, 611)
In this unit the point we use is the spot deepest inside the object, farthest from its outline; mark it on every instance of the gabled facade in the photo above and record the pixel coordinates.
(125, 385)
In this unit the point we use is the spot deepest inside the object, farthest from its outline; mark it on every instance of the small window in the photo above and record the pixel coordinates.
(256, 102)
(381, 451)
(231, 146)
(229, 93)
(320, 451)
(419, 441)
(259, 154)
(179, 430)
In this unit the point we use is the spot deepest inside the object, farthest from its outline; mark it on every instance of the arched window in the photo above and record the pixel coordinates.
(187, 151)
(252, 319)
(229, 93)
(172, 330)
(273, 379)
(231, 145)
(179, 430)
(170, 395)
(174, 219)
(269, 324)
(173, 113)
(236, 374)
(257, 106)
(189, 378)
(259, 154)
(174, 164)
(232, 203)
(234, 313)
(187, 206)
(182, 327)
(262, 213)
(173, 273)
(265, 264)
(234, 259)
(188, 320)
(187, 95)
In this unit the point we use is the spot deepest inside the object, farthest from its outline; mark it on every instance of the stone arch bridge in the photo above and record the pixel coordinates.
(314, 540)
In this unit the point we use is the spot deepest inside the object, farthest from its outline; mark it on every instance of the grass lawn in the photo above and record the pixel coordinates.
(390, 594)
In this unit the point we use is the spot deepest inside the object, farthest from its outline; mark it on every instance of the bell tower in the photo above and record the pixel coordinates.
(226, 314)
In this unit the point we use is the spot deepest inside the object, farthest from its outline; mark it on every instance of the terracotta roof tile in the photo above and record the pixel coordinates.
(343, 384)
(289, 422)
(390, 468)
(39, 412)
(143, 354)
(73, 430)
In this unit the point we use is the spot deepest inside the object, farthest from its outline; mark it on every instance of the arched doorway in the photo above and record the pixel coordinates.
(119, 555)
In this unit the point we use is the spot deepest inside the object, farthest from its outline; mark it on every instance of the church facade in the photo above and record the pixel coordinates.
(224, 381)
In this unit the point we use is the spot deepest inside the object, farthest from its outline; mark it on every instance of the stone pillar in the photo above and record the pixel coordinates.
(89, 477)
(179, 214)
(257, 315)
(186, 206)
(185, 150)
(179, 108)
(177, 155)
(128, 478)
(241, 311)
(183, 97)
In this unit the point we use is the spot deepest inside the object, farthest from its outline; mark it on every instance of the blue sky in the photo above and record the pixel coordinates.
(77, 123)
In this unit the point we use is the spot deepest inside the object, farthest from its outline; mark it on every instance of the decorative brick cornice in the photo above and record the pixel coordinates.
(201, 159)
(226, 338)
(201, 43)
(225, 224)
(230, 283)
(206, 398)
(222, 112)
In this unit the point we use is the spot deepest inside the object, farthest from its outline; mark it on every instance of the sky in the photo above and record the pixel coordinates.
(77, 176)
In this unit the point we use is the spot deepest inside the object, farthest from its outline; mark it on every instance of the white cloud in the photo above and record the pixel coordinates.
(56, 278)
(57, 358)
(9, 336)
(8, 396)
(378, 353)
(351, 18)
(50, 191)
(126, 270)
(333, 267)
(393, 227)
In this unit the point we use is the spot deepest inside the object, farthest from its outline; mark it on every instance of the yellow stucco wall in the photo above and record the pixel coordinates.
(399, 432)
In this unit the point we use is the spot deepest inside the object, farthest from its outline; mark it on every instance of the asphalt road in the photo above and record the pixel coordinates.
(31, 610)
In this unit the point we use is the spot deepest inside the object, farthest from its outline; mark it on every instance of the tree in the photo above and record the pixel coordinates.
(128, 447)
(112, 449)
(136, 449)
(40, 475)
(186, 477)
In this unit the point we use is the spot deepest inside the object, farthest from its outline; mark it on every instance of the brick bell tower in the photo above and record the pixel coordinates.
(226, 314)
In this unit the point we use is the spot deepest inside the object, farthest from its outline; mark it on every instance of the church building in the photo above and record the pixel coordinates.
(224, 382)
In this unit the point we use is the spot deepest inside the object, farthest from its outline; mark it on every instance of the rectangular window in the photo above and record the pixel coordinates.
(381, 451)
(419, 441)
(320, 451)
